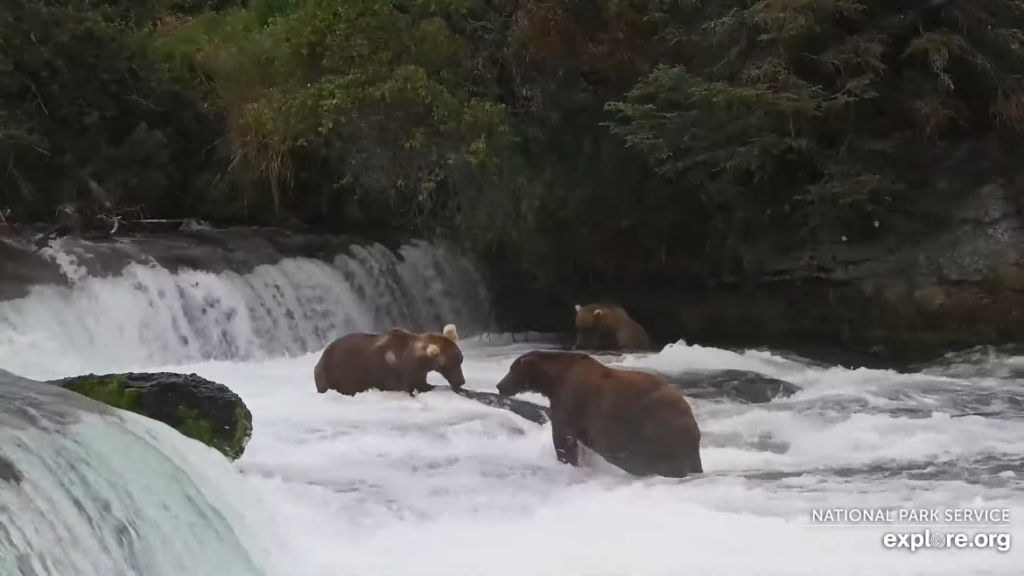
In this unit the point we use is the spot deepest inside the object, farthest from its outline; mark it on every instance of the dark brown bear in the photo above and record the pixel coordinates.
(635, 420)
(608, 327)
(398, 360)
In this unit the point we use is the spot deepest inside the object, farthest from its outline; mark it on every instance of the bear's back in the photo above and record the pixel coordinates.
(619, 329)
(638, 422)
(631, 334)
(345, 361)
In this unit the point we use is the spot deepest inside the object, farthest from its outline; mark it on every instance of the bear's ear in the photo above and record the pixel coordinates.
(578, 307)
(433, 350)
(598, 312)
(450, 332)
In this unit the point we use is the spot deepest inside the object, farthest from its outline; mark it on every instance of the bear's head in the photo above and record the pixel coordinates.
(589, 316)
(594, 326)
(537, 371)
(443, 356)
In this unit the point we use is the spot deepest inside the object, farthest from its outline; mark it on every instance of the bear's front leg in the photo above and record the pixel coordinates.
(567, 448)
(414, 385)
(585, 340)
(421, 387)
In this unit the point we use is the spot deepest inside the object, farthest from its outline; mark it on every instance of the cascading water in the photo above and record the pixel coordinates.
(85, 491)
(150, 316)
(385, 485)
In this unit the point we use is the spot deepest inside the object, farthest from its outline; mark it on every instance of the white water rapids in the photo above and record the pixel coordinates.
(382, 484)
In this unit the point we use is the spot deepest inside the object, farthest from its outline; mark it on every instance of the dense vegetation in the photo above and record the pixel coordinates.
(622, 139)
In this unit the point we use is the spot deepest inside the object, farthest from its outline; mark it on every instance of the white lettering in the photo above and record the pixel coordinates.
(914, 516)
(928, 539)
(978, 516)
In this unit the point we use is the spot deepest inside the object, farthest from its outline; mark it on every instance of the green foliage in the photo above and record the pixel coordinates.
(84, 115)
(798, 114)
(609, 141)
(370, 111)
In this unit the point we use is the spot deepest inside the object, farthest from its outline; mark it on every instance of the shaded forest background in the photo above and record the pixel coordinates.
(567, 143)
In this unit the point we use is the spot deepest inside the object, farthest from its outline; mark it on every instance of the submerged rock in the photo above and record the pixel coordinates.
(741, 385)
(196, 407)
(533, 412)
(9, 472)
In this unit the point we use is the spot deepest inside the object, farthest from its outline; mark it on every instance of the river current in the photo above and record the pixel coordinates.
(384, 484)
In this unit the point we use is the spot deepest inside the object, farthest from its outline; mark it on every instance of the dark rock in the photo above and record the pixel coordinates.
(9, 472)
(239, 250)
(196, 407)
(528, 410)
(20, 269)
(742, 385)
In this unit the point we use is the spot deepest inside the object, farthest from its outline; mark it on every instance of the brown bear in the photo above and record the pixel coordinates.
(635, 420)
(608, 327)
(397, 360)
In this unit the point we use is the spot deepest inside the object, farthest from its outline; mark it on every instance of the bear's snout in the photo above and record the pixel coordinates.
(507, 386)
(455, 377)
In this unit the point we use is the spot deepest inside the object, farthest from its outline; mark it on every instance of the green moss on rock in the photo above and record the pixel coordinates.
(198, 408)
(231, 442)
(110, 390)
(195, 426)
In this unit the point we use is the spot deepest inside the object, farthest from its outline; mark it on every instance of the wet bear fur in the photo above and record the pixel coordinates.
(397, 360)
(635, 420)
(608, 327)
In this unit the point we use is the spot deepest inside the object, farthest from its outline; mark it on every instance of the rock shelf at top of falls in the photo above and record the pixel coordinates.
(24, 263)
(198, 408)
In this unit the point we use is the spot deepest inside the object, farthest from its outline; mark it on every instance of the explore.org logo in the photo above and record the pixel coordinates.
(915, 529)
(914, 541)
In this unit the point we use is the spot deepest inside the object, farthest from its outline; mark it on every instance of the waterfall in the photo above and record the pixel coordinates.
(149, 315)
(89, 491)
(86, 490)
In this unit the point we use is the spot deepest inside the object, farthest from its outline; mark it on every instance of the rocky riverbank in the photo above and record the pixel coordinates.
(957, 284)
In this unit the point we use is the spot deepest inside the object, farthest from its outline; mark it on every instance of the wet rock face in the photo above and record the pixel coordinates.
(736, 385)
(24, 263)
(196, 407)
(20, 269)
(890, 303)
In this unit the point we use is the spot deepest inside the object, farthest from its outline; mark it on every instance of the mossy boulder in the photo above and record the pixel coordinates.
(196, 407)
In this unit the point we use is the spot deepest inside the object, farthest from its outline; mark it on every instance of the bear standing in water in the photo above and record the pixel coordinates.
(608, 327)
(634, 420)
(397, 360)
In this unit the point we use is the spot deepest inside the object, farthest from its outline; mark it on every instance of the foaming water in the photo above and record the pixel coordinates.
(383, 484)
(148, 315)
(91, 492)
(386, 484)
